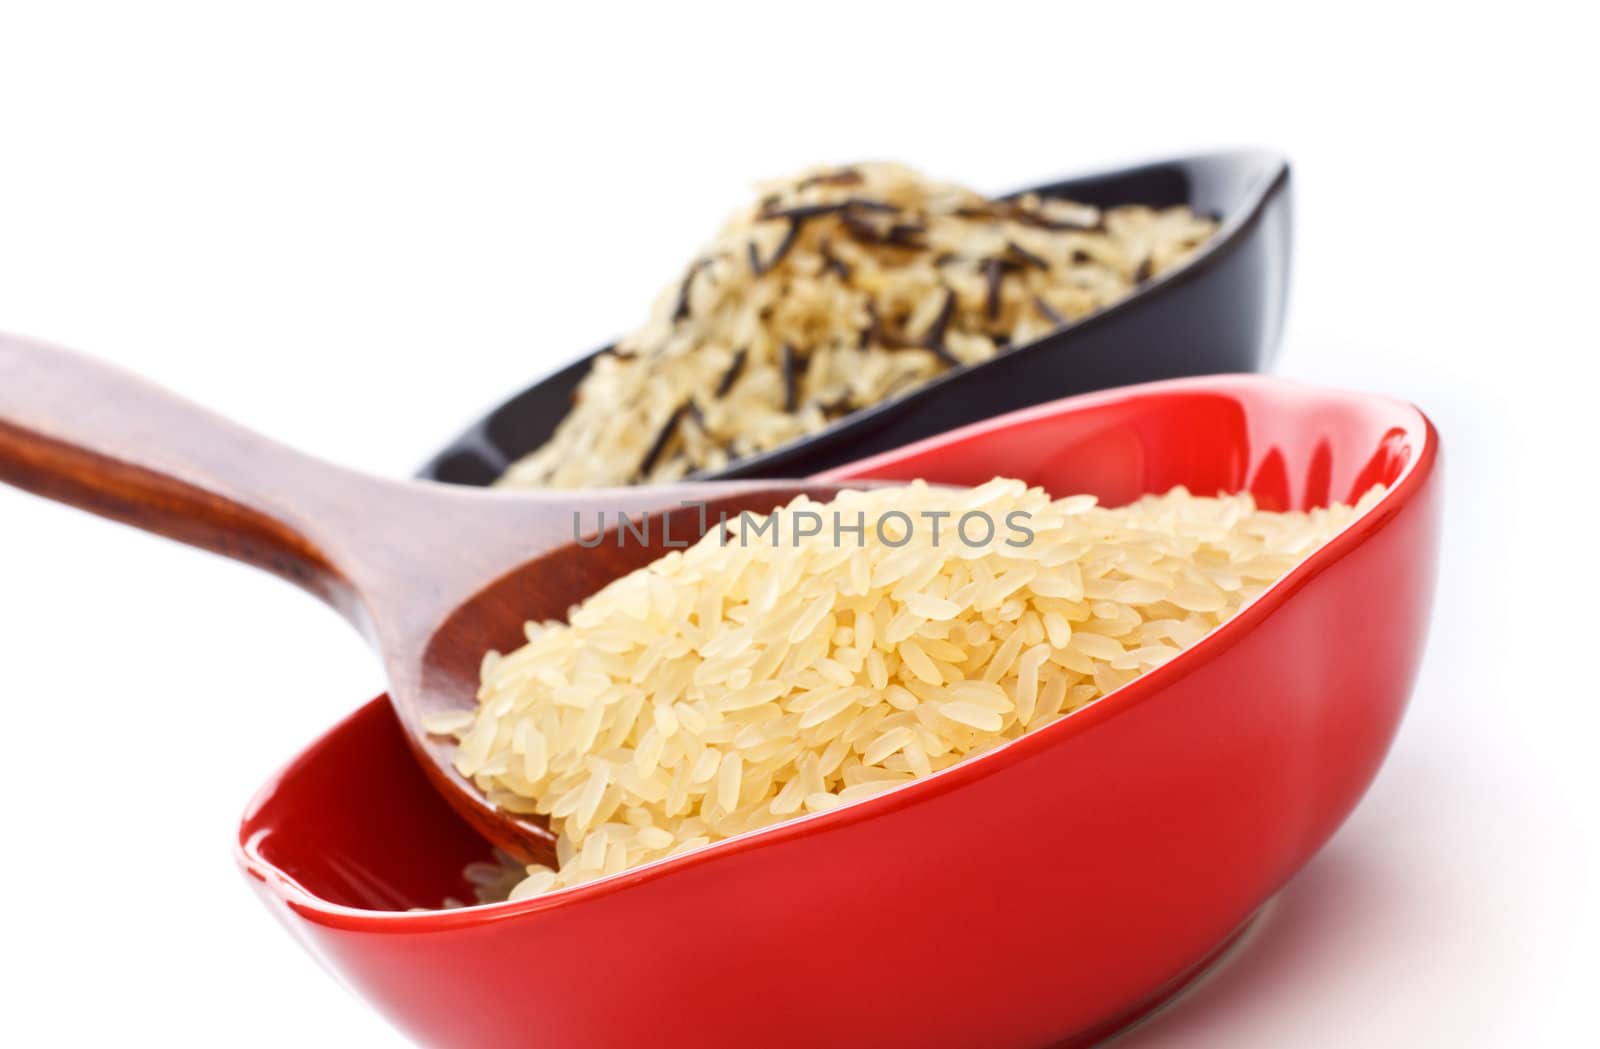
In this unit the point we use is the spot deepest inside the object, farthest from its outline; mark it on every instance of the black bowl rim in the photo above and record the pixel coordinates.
(1271, 178)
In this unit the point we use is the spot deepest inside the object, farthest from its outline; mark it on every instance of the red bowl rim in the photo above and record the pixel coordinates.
(1413, 475)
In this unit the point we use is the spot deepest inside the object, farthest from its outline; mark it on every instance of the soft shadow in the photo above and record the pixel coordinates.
(1290, 938)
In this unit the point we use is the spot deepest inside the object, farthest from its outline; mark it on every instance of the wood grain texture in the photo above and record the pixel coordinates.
(432, 575)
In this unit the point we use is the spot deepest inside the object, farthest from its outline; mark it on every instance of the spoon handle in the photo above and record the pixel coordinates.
(394, 557)
(86, 433)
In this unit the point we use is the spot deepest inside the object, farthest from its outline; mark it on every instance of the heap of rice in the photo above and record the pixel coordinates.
(738, 683)
(837, 290)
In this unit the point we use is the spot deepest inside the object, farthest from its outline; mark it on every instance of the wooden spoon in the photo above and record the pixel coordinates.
(432, 575)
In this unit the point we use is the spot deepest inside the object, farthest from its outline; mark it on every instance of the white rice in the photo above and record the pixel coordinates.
(731, 686)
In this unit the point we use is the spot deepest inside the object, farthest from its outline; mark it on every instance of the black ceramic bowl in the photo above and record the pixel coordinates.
(1222, 311)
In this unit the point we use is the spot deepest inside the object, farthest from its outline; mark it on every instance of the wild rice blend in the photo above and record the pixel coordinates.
(837, 290)
(734, 685)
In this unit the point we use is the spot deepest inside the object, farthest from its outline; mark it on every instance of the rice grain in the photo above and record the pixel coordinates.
(791, 694)
(829, 295)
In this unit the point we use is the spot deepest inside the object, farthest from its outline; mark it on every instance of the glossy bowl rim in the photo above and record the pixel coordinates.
(1145, 687)
(1274, 175)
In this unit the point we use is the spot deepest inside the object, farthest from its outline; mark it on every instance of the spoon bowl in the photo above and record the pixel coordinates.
(433, 576)
(1045, 893)
(443, 675)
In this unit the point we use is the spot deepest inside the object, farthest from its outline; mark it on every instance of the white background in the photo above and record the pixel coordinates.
(355, 228)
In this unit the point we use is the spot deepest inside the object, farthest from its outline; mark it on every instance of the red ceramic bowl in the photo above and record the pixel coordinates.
(1041, 894)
